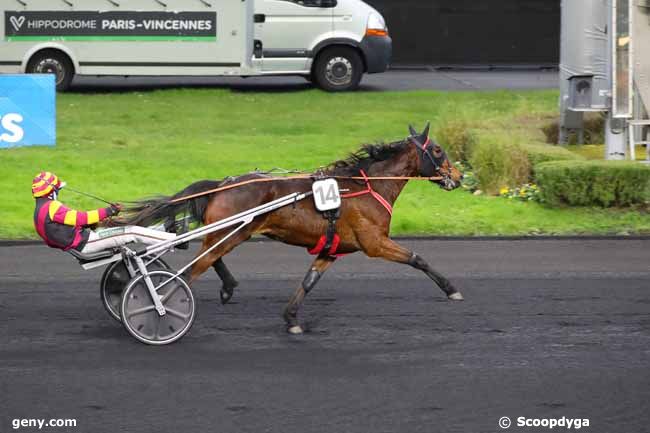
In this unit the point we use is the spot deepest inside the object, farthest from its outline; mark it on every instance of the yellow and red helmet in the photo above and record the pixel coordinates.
(45, 183)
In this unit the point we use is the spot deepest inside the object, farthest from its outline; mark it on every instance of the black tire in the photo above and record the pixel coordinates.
(114, 280)
(338, 69)
(53, 62)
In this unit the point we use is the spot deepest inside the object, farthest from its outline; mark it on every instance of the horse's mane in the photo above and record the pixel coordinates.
(364, 157)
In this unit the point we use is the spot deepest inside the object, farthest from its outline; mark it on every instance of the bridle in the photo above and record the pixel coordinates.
(430, 164)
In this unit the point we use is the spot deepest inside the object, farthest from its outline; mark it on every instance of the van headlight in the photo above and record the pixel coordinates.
(376, 26)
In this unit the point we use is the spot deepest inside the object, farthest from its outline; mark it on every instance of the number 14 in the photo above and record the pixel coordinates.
(332, 194)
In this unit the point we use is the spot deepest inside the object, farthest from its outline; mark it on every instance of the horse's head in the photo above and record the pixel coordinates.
(433, 161)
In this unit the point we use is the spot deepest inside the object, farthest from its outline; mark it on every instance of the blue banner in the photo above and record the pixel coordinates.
(27, 110)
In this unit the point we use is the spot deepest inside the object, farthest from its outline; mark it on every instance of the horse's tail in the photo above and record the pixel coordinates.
(162, 208)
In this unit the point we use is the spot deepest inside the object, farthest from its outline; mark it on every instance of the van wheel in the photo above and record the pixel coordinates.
(338, 69)
(53, 62)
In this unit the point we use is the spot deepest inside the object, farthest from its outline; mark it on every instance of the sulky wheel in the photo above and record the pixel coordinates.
(139, 315)
(115, 279)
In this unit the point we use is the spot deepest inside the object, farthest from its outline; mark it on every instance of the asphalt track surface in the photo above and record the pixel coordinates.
(394, 80)
(549, 328)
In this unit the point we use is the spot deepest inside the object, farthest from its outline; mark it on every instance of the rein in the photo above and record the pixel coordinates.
(273, 179)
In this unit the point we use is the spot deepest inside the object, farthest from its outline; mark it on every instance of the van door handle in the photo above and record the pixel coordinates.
(258, 49)
(259, 18)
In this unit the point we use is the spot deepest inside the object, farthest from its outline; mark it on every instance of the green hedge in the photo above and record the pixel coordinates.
(497, 161)
(498, 164)
(594, 183)
(539, 153)
(458, 139)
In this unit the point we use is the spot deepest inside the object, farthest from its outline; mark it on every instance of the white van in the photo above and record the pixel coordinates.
(331, 42)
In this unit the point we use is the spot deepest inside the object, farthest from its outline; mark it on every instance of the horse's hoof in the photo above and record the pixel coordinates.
(456, 296)
(225, 297)
(295, 330)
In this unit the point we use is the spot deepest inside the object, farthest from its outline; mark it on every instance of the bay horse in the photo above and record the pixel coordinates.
(363, 224)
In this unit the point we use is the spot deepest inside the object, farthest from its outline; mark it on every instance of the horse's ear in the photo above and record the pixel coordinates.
(412, 130)
(425, 133)
(414, 139)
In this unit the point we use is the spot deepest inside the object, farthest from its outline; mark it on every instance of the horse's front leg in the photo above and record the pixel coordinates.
(317, 269)
(388, 249)
(228, 280)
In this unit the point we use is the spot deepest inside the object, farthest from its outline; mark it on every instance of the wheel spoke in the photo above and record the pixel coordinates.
(157, 333)
(141, 311)
(176, 313)
(169, 294)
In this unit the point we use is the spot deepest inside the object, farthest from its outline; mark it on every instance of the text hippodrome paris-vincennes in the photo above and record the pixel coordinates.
(121, 24)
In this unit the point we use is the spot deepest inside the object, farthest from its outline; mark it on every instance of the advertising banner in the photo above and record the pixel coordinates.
(27, 110)
(110, 26)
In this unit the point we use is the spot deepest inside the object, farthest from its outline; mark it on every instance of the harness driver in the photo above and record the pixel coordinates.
(64, 228)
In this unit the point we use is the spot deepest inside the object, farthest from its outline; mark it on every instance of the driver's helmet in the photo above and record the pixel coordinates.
(46, 183)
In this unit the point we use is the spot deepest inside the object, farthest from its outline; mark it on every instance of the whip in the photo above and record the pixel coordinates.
(89, 195)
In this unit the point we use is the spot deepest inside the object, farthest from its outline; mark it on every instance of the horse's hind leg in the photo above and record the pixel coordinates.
(390, 250)
(228, 280)
(204, 263)
(317, 269)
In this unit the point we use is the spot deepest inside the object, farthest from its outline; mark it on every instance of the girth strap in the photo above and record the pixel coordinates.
(322, 247)
(328, 243)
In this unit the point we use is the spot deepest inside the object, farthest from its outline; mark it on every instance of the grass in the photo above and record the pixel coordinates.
(124, 146)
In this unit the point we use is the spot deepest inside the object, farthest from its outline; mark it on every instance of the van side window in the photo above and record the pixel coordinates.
(314, 3)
